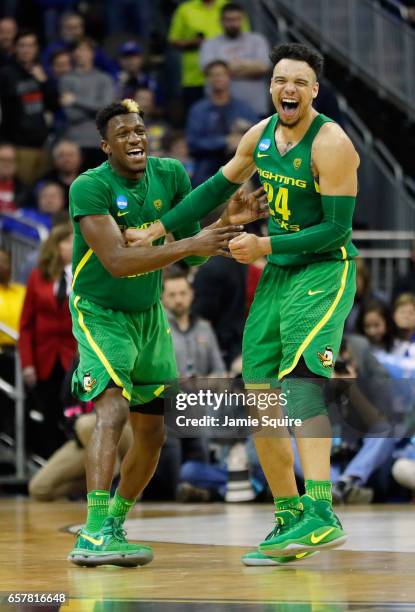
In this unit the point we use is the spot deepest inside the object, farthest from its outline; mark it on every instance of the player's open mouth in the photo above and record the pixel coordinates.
(136, 153)
(289, 106)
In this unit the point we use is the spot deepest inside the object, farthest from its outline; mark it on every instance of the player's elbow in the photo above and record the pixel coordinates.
(337, 237)
(115, 265)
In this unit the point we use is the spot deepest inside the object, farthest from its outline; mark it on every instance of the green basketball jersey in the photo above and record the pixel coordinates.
(101, 191)
(293, 192)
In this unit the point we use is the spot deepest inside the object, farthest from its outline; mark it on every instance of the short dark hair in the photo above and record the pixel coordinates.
(214, 63)
(119, 107)
(58, 53)
(24, 32)
(85, 40)
(232, 6)
(302, 53)
(174, 272)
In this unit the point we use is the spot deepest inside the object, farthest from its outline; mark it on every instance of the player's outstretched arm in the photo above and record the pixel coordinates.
(336, 162)
(103, 236)
(213, 192)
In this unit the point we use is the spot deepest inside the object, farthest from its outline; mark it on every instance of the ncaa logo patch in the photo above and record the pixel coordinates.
(265, 144)
(122, 202)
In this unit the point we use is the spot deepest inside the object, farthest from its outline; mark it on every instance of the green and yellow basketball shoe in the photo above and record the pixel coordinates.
(256, 558)
(108, 547)
(318, 528)
(284, 519)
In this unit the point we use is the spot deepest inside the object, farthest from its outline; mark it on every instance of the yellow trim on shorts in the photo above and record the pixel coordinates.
(320, 324)
(257, 386)
(98, 351)
(159, 390)
(81, 265)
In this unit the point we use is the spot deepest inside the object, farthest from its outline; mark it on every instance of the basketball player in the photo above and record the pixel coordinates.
(308, 168)
(124, 340)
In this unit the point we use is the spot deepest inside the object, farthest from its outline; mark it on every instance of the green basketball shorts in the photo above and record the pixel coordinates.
(134, 350)
(297, 312)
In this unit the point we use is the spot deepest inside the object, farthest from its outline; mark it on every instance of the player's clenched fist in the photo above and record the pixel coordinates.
(246, 248)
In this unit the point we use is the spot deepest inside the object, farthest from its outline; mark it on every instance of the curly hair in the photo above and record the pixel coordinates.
(119, 107)
(302, 53)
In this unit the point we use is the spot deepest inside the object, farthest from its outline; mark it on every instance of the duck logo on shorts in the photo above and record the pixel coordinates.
(158, 204)
(89, 383)
(326, 358)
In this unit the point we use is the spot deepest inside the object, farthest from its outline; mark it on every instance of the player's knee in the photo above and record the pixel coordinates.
(151, 434)
(112, 410)
(304, 392)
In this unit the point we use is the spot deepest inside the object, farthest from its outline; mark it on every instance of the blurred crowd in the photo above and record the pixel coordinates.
(200, 74)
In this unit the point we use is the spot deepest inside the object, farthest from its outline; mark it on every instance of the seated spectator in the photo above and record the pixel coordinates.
(83, 92)
(11, 299)
(175, 145)
(63, 475)
(26, 93)
(67, 161)
(196, 347)
(156, 127)
(392, 351)
(406, 283)
(47, 347)
(8, 31)
(198, 355)
(193, 22)
(50, 200)
(72, 30)
(60, 63)
(132, 75)
(393, 341)
(404, 319)
(246, 54)
(376, 324)
(369, 395)
(13, 193)
(364, 294)
(211, 122)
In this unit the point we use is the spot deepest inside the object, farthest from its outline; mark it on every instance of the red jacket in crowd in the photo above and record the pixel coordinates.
(45, 328)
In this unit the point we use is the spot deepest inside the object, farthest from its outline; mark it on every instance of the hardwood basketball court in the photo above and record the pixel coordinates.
(197, 561)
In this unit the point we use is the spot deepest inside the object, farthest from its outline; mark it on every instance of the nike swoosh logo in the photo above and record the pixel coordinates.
(121, 214)
(262, 154)
(93, 540)
(317, 539)
(314, 292)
